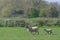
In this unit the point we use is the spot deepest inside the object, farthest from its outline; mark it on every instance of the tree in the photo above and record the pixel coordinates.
(51, 11)
(34, 12)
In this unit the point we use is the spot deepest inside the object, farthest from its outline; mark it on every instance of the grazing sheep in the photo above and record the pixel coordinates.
(32, 29)
(49, 31)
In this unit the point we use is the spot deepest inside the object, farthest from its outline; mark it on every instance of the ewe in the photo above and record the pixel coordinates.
(32, 29)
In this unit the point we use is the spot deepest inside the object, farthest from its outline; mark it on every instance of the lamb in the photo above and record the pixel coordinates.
(49, 31)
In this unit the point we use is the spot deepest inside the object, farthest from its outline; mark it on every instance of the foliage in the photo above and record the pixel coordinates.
(42, 10)
(30, 8)
(34, 12)
(32, 21)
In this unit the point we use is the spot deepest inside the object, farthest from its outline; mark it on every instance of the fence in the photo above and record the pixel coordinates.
(22, 23)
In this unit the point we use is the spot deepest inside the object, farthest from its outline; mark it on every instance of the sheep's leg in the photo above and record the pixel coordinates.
(51, 32)
(35, 32)
(38, 32)
(31, 32)
(48, 32)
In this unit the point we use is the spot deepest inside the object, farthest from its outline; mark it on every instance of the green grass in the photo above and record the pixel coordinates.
(19, 33)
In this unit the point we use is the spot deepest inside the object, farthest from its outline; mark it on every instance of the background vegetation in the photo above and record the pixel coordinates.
(19, 12)
(28, 9)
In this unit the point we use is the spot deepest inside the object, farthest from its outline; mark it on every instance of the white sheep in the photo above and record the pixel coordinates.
(32, 29)
(49, 31)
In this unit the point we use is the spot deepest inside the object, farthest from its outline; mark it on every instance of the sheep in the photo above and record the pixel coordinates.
(32, 29)
(49, 31)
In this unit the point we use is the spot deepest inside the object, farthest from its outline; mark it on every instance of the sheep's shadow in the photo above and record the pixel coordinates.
(33, 33)
(54, 34)
(51, 34)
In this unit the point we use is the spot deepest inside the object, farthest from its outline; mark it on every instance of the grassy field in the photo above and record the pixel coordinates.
(19, 33)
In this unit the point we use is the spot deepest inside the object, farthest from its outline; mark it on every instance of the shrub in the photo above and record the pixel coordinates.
(34, 12)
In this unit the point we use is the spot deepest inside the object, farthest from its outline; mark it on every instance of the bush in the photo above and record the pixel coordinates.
(22, 23)
(34, 12)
